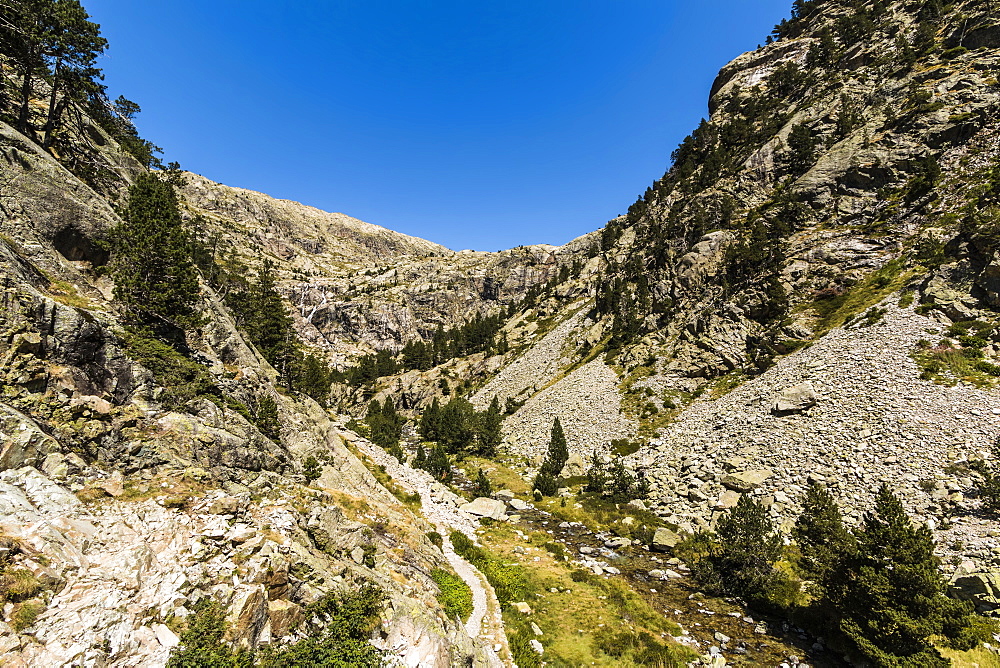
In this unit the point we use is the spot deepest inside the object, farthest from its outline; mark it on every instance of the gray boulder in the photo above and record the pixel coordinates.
(795, 399)
(746, 481)
(484, 507)
(665, 540)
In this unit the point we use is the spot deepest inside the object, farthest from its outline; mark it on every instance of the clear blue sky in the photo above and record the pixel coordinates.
(474, 124)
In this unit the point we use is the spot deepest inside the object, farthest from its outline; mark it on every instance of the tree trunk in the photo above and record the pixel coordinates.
(53, 113)
(22, 117)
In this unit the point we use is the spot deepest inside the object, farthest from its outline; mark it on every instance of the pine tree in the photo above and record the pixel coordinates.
(311, 468)
(889, 596)
(490, 423)
(801, 148)
(457, 427)
(72, 49)
(266, 418)
(155, 279)
(820, 534)
(545, 482)
(313, 378)
(430, 422)
(483, 485)
(597, 475)
(748, 547)
(558, 453)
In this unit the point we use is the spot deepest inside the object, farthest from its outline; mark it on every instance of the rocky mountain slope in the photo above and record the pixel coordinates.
(357, 287)
(809, 293)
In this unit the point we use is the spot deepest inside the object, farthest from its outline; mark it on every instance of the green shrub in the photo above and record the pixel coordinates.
(311, 468)
(340, 638)
(507, 579)
(556, 550)
(455, 596)
(202, 642)
(181, 378)
(435, 538)
(26, 614)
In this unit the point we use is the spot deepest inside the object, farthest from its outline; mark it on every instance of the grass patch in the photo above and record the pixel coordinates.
(455, 596)
(980, 657)
(833, 308)
(26, 614)
(411, 501)
(947, 363)
(502, 476)
(506, 578)
(585, 620)
(723, 385)
(67, 294)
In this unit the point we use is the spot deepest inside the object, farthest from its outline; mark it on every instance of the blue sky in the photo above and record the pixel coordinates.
(472, 124)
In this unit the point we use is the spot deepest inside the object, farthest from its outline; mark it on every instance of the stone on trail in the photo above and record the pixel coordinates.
(484, 507)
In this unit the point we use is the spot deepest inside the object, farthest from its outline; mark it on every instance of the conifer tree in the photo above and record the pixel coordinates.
(820, 534)
(558, 452)
(313, 378)
(483, 485)
(155, 279)
(457, 427)
(889, 595)
(748, 547)
(429, 426)
(266, 418)
(72, 49)
(545, 482)
(490, 422)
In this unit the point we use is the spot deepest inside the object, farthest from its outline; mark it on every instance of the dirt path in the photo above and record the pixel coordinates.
(486, 623)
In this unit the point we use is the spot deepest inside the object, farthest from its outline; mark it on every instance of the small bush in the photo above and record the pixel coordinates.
(311, 468)
(26, 614)
(18, 584)
(556, 550)
(455, 596)
(435, 538)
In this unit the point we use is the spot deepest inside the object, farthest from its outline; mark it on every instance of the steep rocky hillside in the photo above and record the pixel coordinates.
(810, 293)
(356, 287)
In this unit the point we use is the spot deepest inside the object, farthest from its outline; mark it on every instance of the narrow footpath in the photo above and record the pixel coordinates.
(485, 625)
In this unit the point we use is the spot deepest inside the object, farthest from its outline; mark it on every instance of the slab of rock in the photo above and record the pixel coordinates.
(114, 485)
(665, 540)
(575, 466)
(284, 616)
(504, 495)
(165, 636)
(523, 608)
(795, 399)
(747, 480)
(729, 498)
(484, 507)
(226, 505)
(518, 505)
